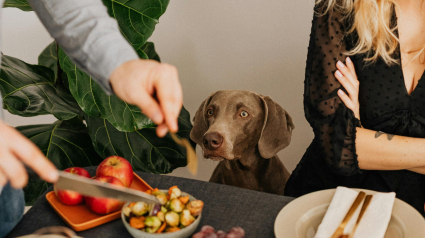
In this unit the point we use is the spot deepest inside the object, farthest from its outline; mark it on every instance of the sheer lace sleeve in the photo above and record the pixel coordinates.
(334, 125)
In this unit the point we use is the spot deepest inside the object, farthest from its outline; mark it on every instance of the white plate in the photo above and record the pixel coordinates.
(301, 217)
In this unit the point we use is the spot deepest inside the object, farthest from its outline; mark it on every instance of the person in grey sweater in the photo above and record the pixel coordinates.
(91, 38)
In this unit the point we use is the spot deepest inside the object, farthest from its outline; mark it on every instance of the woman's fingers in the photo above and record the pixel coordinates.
(3, 179)
(13, 169)
(346, 84)
(350, 74)
(350, 65)
(345, 99)
(16, 149)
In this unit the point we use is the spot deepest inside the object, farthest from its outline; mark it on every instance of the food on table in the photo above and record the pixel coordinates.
(209, 232)
(137, 222)
(186, 218)
(195, 207)
(172, 214)
(104, 206)
(117, 167)
(176, 205)
(162, 197)
(156, 208)
(70, 197)
(174, 192)
(172, 218)
(140, 208)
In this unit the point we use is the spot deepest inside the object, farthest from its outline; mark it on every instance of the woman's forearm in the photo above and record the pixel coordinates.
(381, 151)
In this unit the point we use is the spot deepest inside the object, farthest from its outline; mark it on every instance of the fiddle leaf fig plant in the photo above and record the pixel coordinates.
(91, 125)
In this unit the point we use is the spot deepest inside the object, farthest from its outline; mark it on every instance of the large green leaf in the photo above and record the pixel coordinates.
(144, 150)
(49, 58)
(33, 190)
(136, 18)
(65, 143)
(96, 103)
(30, 90)
(149, 52)
(21, 4)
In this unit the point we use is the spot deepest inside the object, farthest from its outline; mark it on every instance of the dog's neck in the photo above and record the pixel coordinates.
(250, 159)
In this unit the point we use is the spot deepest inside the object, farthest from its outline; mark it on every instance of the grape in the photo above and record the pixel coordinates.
(237, 231)
(210, 235)
(207, 228)
(232, 235)
(209, 232)
(221, 234)
(198, 235)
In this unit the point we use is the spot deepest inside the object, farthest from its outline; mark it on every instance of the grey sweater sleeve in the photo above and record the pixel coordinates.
(87, 34)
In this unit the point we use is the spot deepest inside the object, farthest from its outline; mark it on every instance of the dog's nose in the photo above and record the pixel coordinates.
(213, 140)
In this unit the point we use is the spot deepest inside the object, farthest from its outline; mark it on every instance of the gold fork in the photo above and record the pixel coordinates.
(340, 230)
(192, 160)
(362, 211)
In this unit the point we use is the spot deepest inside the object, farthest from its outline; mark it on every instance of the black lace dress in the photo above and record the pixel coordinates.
(385, 105)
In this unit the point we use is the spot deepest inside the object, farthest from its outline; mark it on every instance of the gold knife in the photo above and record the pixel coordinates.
(340, 230)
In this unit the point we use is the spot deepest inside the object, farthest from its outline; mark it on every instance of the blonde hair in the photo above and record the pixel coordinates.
(372, 22)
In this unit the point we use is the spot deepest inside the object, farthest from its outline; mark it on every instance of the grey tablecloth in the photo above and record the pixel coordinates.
(225, 207)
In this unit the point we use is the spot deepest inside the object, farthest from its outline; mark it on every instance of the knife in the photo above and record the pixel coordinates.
(95, 188)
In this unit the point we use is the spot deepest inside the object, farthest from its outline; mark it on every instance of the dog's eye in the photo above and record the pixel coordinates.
(210, 112)
(244, 114)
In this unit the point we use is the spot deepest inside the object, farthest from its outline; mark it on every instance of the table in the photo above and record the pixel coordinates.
(225, 207)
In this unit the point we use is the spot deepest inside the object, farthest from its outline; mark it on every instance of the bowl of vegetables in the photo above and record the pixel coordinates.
(177, 215)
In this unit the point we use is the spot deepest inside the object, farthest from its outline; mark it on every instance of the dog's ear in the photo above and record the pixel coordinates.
(200, 125)
(277, 129)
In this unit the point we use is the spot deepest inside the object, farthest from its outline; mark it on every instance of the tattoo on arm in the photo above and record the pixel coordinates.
(379, 133)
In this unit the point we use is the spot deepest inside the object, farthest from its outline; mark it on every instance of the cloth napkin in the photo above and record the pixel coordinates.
(374, 222)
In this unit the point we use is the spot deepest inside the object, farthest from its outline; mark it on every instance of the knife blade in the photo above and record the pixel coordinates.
(95, 188)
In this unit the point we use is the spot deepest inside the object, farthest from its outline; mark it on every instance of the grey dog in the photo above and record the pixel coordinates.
(244, 131)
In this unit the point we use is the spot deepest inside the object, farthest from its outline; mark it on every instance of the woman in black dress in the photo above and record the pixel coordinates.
(367, 114)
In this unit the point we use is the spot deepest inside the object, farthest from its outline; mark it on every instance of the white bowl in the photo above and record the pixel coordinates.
(183, 233)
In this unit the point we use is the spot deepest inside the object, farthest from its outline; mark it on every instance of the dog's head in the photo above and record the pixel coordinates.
(230, 124)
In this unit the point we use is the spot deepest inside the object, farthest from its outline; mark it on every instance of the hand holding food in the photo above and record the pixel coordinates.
(174, 212)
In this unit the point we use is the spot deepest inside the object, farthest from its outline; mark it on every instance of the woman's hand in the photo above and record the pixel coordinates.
(152, 86)
(346, 75)
(15, 151)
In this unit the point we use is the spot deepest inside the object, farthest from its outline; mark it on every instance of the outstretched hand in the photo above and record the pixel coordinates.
(138, 82)
(15, 151)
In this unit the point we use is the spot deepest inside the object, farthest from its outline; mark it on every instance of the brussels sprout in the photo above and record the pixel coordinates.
(186, 218)
(140, 208)
(152, 221)
(172, 218)
(195, 207)
(174, 192)
(162, 198)
(151, 229)
(176, 205)
(163, 209)
(126, 211)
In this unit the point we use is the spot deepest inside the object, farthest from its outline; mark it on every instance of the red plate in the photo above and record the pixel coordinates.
(80, 218)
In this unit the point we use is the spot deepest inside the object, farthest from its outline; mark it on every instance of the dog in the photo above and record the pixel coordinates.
(244, 131)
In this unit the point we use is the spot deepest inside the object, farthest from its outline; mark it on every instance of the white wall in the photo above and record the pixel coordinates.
(258, 45)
